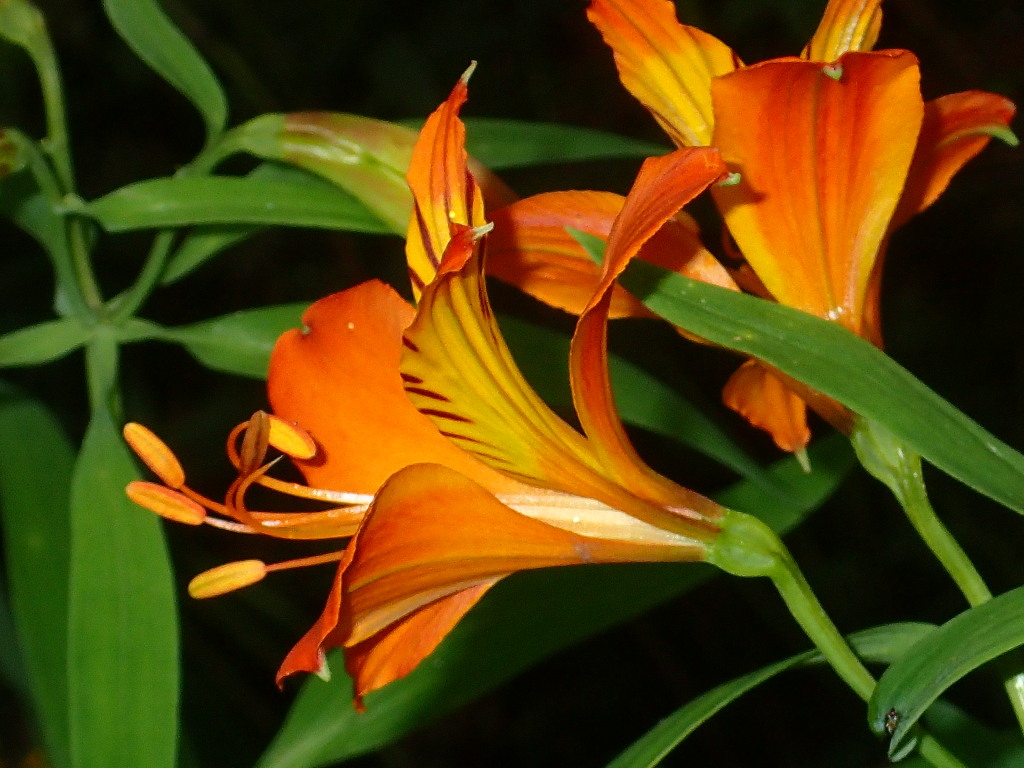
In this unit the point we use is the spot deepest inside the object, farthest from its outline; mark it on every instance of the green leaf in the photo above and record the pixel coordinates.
(122, 625)
(365, 157)
(147, 30)
(42, 343)
(190, 200)
(238, 343)
(940, 659)
(642, 399)
(202, 244)
(522, 620)
(880, 644)
(35, 481)
(514, 144)
(843, 366)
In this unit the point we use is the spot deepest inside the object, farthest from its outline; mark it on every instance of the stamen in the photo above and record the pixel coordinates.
(302, 562)
(254, 443)
(227, 578)
(155, 454)
(290, 439)
(166, 502)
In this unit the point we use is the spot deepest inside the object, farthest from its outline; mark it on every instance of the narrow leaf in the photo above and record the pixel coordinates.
(191, 200)
(42, 343)
(202, 244)
(35, 480)
(122, 624)
(843, 366)
(523, 620)
(514, 144)
(881, 644)
(240, 342)
(940, 659)
(147, 30)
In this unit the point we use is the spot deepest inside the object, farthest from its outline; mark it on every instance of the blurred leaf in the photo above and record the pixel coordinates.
(365, 157)
(35, 480)
(514, 144)
(843, 366)
(190, 200)
(21, 201)
(642, 399)
(979, 745)
(880, 644)
(241, 342)
(122, 624)
(42, 343)
(147, 30)
(943, 657)
(202, 244)
(521, 621)
(238, 343)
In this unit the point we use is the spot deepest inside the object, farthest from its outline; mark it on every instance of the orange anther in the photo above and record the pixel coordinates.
(155, 454)
(227, 578)
(165, 502)
(290, 439)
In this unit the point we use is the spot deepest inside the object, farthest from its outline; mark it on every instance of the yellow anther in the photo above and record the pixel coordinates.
(165, 502)
(155, 454)
(227, 578)
(290, 439)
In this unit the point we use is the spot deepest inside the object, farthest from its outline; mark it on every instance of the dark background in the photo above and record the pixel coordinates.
(953, 301)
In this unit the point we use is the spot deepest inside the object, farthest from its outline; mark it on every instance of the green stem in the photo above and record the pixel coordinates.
(899, 468)
(748, 547)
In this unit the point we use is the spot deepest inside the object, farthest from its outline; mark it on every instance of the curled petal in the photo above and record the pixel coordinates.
(444, 192)
(396, 651)
(955, 129)
(662, 187)
(846, 25)
(822, 162)
(337, 378)
(667, 66)
(760, 397)
(433, 542)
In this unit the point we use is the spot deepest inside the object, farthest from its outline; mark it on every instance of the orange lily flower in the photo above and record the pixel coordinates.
(452, 472)
(833, 150)
(436, 538)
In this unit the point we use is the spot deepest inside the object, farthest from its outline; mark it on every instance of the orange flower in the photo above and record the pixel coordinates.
(441, 532)
(832, 149)
(447, 466)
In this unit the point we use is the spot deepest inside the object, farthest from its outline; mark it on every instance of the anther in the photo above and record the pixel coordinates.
(227, 578)
(166, 502)
(254, 443)
(155, 454)
(290, 439)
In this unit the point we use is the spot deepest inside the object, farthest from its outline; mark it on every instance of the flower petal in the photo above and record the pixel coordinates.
(760, 397)
(396, 651)
(822, 163)
(531, 249)
(662, 187)
(444, 192)
(846, 25)
(955, 129)
(338, 379)
(466, 381)
(667, 66)
(433, 535)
